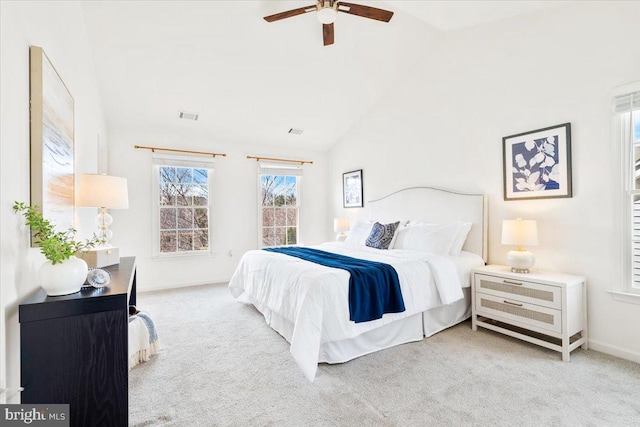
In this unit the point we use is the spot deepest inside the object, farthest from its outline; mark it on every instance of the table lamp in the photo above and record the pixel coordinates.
(104, 192)
(340, 225)
(520, 232)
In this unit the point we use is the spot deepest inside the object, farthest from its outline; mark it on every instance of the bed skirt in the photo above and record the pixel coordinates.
(440, 318)
(410, 329)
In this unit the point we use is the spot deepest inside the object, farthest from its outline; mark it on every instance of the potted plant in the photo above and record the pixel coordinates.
(63, 273)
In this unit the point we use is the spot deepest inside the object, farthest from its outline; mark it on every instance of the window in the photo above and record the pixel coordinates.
(279, 195)
(279, 205)
(183, 209)
(627, 108)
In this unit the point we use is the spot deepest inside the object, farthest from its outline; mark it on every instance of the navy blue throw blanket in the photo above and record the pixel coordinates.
(374, 287)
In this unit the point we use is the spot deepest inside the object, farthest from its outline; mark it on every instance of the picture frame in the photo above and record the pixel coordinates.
(51, 142)
(537, 164)
(352, 191)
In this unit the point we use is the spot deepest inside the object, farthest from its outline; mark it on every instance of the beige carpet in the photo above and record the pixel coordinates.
(221, 365)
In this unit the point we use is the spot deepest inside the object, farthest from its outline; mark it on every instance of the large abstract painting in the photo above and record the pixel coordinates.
(537, 164)
(52, 142)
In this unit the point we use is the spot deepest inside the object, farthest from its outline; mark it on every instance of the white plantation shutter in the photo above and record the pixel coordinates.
(634, 197)
(635, 244)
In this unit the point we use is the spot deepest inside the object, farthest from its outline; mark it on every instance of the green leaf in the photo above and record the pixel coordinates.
(56, 246)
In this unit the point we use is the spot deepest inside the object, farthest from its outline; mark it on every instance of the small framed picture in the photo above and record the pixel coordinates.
(537, 164)
(352, 193)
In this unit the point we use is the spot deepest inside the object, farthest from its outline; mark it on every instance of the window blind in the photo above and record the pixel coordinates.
(627, 102)
(163, 159)
(635, 249)
(285, 169)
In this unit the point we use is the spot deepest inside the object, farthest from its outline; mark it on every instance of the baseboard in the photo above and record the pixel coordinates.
(614, 351)
(142, 289)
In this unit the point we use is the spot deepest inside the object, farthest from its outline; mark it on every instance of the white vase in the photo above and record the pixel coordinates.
(63, 278)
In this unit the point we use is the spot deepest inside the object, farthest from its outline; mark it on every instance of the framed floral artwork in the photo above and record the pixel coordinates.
(537, 164)
(352, 193)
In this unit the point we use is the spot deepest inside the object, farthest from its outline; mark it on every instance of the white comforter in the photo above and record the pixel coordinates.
(315, 298)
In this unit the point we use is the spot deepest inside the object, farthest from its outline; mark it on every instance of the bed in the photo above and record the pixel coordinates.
(308, 305)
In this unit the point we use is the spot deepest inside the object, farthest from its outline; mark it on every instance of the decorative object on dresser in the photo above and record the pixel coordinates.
(341, 226)
(104, 192)
(544, 308)
(352, 191)
(98, 278)
(74, 349)
(62, 273)
(520, 232)
(537, 164)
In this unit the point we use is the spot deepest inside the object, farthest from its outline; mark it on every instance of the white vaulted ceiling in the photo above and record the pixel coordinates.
(251, 81)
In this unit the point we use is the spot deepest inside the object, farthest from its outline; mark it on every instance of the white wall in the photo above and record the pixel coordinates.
(235, 204)
(58, 28)
(443, 125)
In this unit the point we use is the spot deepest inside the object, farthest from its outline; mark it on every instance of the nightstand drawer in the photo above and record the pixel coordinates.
(521, 290)
(519, 311)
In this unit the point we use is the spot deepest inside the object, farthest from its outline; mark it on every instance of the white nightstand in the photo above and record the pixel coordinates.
(544, 308)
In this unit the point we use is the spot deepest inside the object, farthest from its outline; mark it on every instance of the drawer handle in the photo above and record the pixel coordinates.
(512, 303)
(510, 282)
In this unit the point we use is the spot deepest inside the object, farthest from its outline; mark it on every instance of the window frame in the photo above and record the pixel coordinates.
(160, 160)
(279, 170)
(625, 144)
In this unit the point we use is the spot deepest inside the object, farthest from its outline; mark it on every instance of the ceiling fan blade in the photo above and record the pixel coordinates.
(290, 13)
(365, 11)
(327, 34)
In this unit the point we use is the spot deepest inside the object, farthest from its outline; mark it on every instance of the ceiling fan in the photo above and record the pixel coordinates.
(327, 12)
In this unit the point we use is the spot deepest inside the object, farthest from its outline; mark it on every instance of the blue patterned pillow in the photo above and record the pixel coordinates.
(382, 235)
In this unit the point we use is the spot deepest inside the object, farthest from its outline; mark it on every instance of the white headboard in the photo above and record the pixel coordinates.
(436, 205)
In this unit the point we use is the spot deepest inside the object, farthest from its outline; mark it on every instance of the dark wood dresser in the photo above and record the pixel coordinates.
(74, 349)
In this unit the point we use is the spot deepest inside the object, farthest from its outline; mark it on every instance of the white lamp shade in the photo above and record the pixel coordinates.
(520, 232)
(102, 191)
(340, 225)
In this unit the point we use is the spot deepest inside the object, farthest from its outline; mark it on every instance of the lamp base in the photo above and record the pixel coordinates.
(520, 261)
(341, 237)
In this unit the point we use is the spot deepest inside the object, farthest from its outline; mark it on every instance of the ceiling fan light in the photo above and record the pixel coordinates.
(327, 15)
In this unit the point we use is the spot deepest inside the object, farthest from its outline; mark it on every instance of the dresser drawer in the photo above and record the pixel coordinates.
(520, 290)
(519, 311)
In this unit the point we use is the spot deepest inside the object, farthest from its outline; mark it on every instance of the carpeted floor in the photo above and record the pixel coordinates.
(221, 365)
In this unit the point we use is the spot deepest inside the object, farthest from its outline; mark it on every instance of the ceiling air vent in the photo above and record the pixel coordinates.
(294, 131)
(188, 116)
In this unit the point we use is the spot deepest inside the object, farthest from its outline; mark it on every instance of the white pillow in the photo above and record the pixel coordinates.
(358, 234)
(402, 225)
(461, 230)
(434, 238)
(461, 237)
